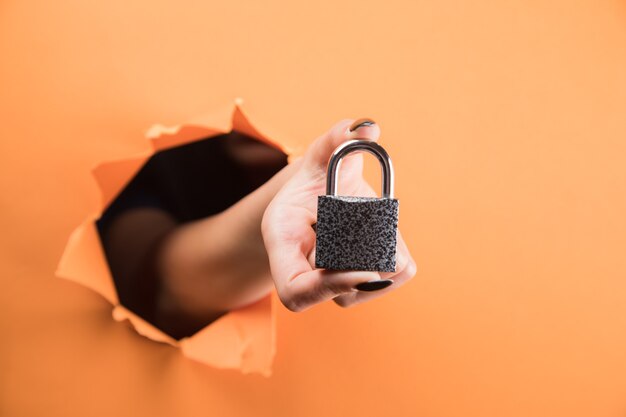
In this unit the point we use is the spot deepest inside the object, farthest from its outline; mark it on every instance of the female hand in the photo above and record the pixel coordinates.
(289, 237)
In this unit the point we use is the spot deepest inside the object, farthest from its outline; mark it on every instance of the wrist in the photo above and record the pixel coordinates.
(212, 266)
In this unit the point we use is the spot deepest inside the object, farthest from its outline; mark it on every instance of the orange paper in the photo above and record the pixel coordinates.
(506, 122)
(242, 339)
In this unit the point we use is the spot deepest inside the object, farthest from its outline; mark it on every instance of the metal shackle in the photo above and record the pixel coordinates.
(354, 146)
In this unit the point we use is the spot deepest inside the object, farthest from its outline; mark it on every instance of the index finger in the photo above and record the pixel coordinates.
(299, 286)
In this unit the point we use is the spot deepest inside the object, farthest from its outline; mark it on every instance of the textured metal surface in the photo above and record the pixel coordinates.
(356, 233)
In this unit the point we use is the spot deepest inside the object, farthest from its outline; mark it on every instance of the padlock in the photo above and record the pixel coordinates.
(357, 233)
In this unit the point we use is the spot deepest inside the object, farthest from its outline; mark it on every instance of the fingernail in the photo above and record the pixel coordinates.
(360, 123)
(374, 285)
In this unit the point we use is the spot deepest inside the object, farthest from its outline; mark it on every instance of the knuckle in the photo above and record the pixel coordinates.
(410, 269)
(291, 303)
(342, 302)
(403, 258)
(292, 306)
(406, 264)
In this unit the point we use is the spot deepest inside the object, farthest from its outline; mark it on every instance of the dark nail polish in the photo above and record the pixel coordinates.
(374, 285)
(360, 123)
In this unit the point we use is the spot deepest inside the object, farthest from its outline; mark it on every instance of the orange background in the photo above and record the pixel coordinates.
(507, 124)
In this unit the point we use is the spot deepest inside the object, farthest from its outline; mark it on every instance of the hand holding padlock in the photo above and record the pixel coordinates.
(290, 237)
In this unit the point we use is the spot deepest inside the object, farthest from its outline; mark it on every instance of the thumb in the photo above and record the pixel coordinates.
(316, 157)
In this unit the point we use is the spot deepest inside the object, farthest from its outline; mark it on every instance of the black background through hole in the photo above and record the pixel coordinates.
(189, 182)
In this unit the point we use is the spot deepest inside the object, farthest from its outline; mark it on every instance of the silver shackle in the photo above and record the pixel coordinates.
(354, 146)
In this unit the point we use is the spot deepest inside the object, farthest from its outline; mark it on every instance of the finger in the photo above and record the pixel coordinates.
(316, 286)
(352, 299)
(406, 269)
(316, 158)
(298, 285)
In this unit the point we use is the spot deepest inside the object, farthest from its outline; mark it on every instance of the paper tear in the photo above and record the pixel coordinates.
(83, 261)
(157, 130)
(242, 339)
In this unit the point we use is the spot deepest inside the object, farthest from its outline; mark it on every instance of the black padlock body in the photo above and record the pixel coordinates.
(356, 233)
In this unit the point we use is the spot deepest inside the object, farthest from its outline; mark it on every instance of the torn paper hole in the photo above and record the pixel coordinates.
(242, 339)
